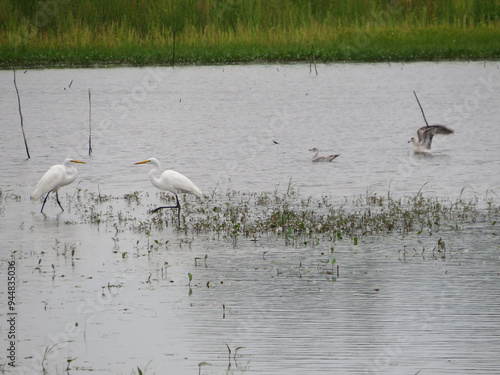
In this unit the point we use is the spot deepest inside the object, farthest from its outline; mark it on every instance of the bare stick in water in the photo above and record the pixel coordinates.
(21, 115)
(173, 50)
(313, 59)
(90, 121)
(423, 114)
(310, 65)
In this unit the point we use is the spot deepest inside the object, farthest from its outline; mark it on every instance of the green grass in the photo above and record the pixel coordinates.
(90, 32)
(235, 215)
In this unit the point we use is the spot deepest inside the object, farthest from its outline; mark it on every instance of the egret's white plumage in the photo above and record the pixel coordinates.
(317, 158)
(425, 135)
(56, 177)
(171, 181)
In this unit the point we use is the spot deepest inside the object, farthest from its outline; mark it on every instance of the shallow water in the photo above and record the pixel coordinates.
(217, 126)
(114, 305)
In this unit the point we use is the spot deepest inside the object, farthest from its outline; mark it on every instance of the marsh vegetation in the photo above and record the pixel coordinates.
(234, 215)
(34, 33)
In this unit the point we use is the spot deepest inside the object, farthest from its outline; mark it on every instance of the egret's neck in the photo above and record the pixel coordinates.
(154, 179)
(315, 154)
(71, 171)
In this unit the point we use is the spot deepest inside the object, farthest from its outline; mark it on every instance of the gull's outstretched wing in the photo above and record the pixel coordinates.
(426, 133)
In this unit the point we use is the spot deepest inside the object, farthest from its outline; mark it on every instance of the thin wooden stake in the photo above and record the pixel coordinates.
(173, 51)
(423, 114)
(314, 59)
(21, 115)
(90, 121)
(310, 65)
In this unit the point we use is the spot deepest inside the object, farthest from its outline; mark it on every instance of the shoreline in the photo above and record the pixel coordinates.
(113, 65)
(66, 62)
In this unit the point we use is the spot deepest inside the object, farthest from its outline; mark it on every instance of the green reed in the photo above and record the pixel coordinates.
(213, 31)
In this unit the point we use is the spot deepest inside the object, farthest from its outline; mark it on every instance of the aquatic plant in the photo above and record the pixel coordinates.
(190, 277)
(234, 358)
(201, 364)
(141, 371)
(234, 216)
(68, 361)
(49, 349)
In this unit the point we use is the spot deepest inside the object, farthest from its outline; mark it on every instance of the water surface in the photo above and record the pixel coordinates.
(113, 299)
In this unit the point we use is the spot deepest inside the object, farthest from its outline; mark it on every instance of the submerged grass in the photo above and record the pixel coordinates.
(90, 32)
(254, 216)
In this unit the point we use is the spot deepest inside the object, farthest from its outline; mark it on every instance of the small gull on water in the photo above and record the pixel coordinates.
(317, 158)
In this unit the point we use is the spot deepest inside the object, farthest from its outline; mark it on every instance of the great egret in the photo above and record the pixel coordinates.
(317, 158)
(425, 135)
(57, 176)
(171, 181)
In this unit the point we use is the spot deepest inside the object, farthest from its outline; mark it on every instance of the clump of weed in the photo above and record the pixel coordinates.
(236, 216)
(298, 220)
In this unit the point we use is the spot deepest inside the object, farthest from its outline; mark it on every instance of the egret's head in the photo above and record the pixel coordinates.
(153, 161)
(413, 140)
(313, 149)
(68, 161)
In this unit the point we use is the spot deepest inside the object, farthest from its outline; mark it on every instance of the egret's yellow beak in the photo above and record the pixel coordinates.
(142, 162)
(78, 161)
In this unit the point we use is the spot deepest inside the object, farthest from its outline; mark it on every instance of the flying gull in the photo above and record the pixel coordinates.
(425, 134)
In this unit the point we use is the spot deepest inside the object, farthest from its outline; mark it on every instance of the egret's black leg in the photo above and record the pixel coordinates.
(178, 210)
(45, 200)
(57, 198)
(178, 206)
(161, 208)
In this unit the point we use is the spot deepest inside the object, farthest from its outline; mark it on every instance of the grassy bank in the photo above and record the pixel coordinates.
(89, 32)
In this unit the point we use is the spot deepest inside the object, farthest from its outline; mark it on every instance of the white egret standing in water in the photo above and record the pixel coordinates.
(171, 181)
(56, 177)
